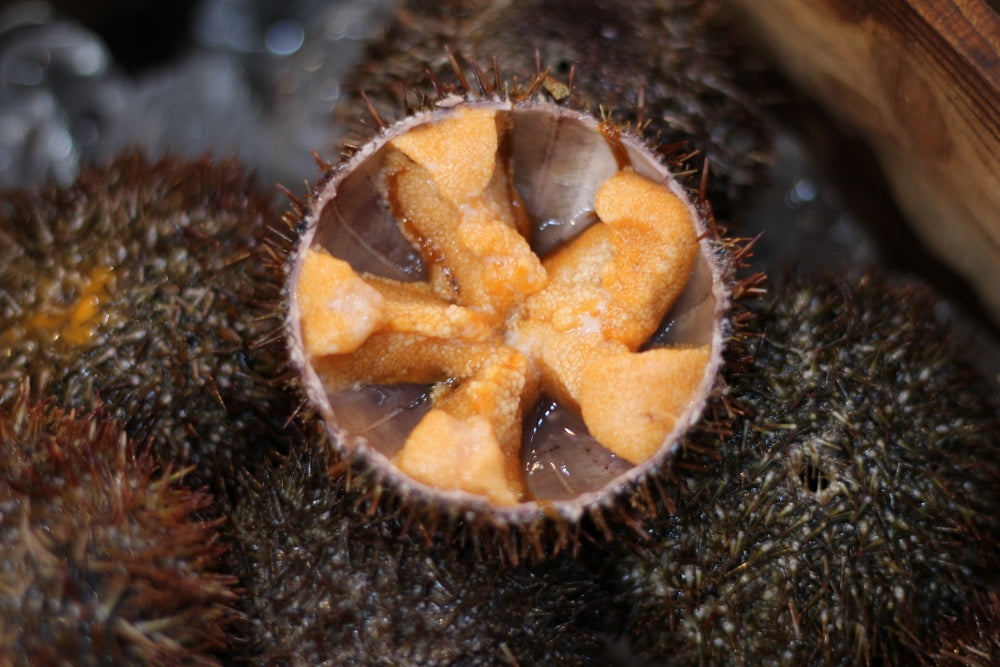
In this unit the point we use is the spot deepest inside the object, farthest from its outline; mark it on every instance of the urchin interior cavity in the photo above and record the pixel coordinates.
(492, 325)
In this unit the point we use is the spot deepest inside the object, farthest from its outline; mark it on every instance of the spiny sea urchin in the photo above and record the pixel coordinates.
(142, 286)
(506, 312)
(103, 559)
(854, 506)
(328, 584)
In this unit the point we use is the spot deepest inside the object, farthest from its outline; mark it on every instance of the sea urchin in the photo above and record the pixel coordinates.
(103, 558)
(506, 307)
(853, 508)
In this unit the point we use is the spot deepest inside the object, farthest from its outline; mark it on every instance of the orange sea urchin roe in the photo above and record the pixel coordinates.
(455, 201)
(608, 291)
(494, 326)
(339, 309)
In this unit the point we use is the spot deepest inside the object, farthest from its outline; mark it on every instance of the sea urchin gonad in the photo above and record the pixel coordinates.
(506, 305)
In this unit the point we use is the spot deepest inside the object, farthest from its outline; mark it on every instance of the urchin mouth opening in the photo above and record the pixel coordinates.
(818, 465)
(483, 238)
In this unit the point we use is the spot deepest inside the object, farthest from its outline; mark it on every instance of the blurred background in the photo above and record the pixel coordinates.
(80, 80)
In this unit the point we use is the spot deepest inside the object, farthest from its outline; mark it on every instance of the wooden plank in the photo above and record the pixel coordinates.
(920, 81)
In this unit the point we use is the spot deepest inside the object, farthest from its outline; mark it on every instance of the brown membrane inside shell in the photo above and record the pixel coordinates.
(439, 231)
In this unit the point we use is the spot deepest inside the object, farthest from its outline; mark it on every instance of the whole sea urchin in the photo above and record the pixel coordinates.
(103, 559)
(141, 286)
(853, 508)
(328, 584)
(553, 157)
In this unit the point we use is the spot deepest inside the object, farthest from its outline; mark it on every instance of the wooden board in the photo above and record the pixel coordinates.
(920, 81)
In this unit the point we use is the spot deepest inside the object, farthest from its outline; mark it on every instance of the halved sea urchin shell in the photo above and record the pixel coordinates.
(506, 312)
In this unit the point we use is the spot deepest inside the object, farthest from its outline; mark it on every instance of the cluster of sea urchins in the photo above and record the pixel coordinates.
(105, 557)
(507, 321)
(852, 515)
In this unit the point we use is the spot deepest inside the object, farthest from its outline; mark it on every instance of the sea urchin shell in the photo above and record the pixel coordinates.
(507, 307)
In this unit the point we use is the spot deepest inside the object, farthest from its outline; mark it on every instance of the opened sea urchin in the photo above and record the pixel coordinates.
(507, 308)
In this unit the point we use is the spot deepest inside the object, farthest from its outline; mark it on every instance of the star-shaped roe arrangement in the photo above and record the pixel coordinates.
(494, 326)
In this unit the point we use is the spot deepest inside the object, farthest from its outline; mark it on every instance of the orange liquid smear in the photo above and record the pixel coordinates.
(77, 322)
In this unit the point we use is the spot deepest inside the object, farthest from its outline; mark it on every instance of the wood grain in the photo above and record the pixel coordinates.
(920, 81)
